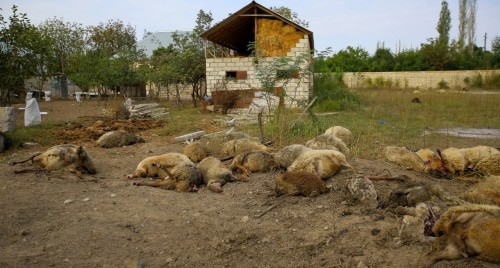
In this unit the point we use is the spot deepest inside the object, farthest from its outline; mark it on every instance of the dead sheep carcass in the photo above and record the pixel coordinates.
(324, 163)
(233, 148)
(476, 154)
(417, 222)
(215, 174)
(73, 158)
(196, 151)
(486, 192)
(468, 231)
(489, 165)
(154, 166)
(181, 178)
(410, 193)
(118, 138)
(176, 169)
(340, 132)
(286, 155)
(431, 159)
(328, 142)
(299, 183)
(454, 160)
(255, 161)
(403, 157)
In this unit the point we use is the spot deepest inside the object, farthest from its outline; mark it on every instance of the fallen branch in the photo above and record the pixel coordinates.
(385, 177)
(267, 210)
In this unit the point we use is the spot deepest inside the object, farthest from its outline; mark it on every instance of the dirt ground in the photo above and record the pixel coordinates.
(58, 220)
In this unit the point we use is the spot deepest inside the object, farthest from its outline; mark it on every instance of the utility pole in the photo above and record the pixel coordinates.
(485, 37)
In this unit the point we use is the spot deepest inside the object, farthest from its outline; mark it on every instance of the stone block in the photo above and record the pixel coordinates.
(7, 118)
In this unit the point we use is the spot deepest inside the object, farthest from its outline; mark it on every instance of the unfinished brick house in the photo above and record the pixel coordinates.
(231, 66)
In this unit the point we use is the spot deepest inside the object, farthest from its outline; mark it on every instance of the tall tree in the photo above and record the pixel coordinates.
(66, 39)
(290, 15)
(19, 54)
(462, 23)
(444, 25)
(471, 25)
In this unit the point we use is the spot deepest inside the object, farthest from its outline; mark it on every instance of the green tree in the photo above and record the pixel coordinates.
(408, 60)
(495, 50)
(185, 61)
(66, 39)
(349, 60)
(382, 61)
(462, 23)
(19, 54)
(109, 59)
(444, 25)
(290, 15)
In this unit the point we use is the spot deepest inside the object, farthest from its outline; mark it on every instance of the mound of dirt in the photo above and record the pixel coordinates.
(81, 133)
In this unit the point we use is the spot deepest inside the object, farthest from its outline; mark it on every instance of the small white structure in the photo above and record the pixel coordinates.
(32, 115)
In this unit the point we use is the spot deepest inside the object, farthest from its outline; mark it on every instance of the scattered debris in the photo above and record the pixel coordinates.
(147, 110)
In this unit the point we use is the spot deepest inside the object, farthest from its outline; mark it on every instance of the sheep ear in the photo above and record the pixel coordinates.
(427, 162)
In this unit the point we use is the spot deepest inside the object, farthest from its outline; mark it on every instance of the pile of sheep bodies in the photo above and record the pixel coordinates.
(470, 226)
(453, 161)
(247, 155)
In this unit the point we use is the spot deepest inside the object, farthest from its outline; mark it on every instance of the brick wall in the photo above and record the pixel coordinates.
(419, 80)
(296, 88)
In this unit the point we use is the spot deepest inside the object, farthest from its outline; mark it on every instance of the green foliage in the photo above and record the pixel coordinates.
(21, 50)
(349, 60)
(333, 94)
(443, 85)
(290, 15)
(477, 81)
(444, 25)
(382, 83)
(492, 82)
(382, 61)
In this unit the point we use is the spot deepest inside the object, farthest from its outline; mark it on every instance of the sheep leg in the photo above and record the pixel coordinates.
(24, 161)
(451, 252)
(245, 172)
(163, 183)
(26, 170)
(236, 178)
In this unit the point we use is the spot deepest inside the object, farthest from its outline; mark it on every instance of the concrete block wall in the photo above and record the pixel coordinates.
(298, 88)
(423, 80)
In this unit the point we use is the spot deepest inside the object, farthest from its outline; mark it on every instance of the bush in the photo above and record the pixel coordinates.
(443, 85)
(492, 82)
(477, 81)
(333, 94)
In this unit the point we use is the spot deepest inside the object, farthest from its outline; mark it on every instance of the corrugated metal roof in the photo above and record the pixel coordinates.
(236, 31)
(156, 40)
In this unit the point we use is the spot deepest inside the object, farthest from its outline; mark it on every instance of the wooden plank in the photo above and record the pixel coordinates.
(190, 136)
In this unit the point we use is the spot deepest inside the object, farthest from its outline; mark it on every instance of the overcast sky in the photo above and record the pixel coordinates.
(336, 23)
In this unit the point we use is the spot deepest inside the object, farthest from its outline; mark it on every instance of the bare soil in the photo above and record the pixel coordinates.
(58, 220)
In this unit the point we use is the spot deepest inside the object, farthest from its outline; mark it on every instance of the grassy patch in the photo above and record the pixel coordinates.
(40, 134)
(187, 120)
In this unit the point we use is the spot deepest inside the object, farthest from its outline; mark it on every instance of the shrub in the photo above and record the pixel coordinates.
(333, 95)
(492, 82)
(443, 85)
(477, 81)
